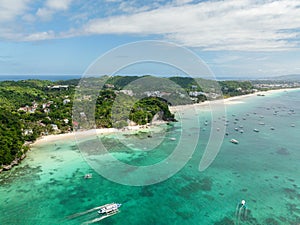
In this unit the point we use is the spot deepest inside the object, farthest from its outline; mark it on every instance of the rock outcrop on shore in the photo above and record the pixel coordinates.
(13, 163)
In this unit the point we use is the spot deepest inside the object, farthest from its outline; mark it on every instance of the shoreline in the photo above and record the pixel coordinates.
(231, 100)
(102, 131)
(77, 135)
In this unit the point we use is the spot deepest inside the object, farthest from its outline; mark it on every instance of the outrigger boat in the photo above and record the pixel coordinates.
(88, 176)
(104, 211)
(234, 141)
(109, 208)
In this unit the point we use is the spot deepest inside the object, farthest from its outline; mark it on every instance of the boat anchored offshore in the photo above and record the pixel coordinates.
(109, 208)
(88, 176)
(234, 141)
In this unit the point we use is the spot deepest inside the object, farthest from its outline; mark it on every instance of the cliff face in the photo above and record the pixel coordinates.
(161, 116)
(158, 116)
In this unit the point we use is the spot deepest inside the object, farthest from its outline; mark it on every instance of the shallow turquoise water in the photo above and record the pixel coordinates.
(263, 169)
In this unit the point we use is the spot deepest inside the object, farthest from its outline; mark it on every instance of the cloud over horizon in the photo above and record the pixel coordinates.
(226, 25)
(209, 25)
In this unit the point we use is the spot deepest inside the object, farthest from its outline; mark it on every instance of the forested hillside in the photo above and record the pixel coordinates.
(31, 108)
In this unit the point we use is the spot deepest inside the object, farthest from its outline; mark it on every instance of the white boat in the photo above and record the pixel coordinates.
(256, 130)
(109, 208)
(88, 176)
(234, 141)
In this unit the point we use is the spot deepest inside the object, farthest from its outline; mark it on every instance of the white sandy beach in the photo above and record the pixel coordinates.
(73, 135)
(93, 132)
(229, 101)
(77, 135)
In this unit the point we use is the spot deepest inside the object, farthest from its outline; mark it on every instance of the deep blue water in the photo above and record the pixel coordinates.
(39, 77)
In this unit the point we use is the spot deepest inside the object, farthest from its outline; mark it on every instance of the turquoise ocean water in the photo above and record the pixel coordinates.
(263, 169)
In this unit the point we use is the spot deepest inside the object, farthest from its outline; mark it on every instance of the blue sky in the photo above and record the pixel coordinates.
(234, 37)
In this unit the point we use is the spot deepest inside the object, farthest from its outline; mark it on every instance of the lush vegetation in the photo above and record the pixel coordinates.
(144, 110)
(234, 88)
(31, 108)
(11, 139)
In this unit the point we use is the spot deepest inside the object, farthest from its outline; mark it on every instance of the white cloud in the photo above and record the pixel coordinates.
(9, 10)
(113, 0)
(45, 13)
(234, 25)
(182, 2)
(210, 25)
(39, 36)
(9, 34)
(28, 18)
(58, 4)
(130, 7)
(51, 7)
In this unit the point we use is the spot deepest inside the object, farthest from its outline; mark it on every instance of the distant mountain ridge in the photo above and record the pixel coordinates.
(290, 77)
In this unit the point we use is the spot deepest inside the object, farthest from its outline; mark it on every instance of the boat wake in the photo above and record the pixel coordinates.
(83, 213)
(100, 218)
(104, 210)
